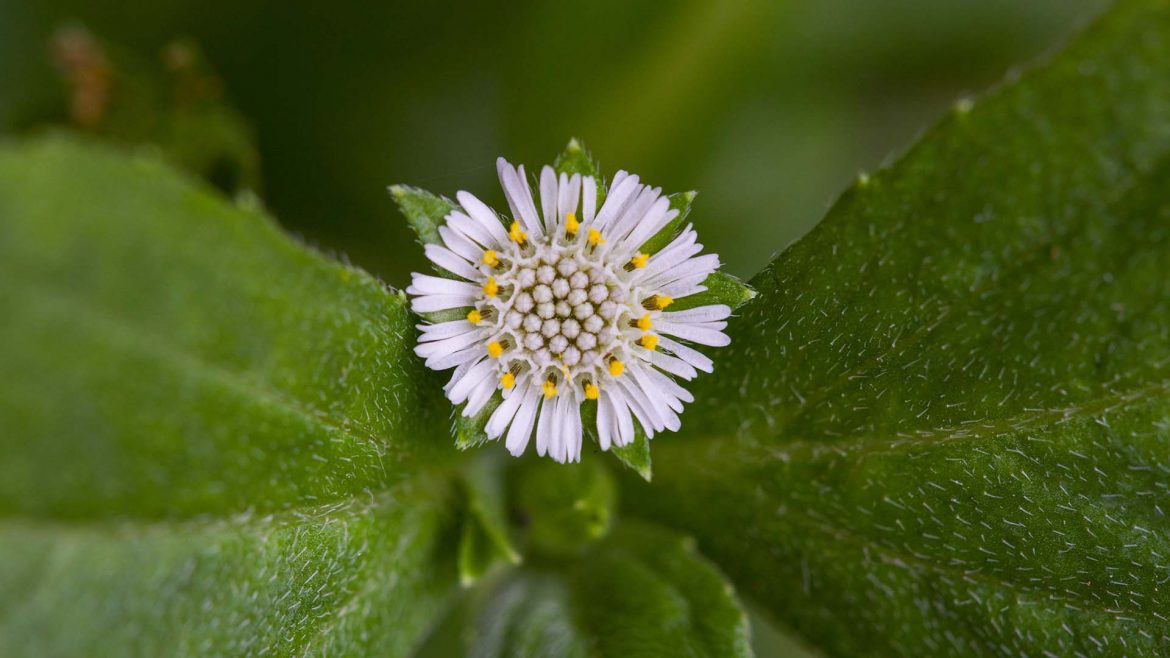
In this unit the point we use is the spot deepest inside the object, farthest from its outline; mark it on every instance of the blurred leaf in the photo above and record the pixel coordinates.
(942, 427)
(484, 541)
(644, 591)
(564, 508)
(214, 440)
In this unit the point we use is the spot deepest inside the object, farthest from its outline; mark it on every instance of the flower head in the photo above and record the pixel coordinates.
(564, 305)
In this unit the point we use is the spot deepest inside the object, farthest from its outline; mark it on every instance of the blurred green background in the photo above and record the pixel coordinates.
(768, 108)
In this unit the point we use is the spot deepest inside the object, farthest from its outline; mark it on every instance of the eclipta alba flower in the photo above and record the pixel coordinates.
(564, 309)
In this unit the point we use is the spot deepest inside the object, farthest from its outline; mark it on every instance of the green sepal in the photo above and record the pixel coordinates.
(424, 211)
(721, 289)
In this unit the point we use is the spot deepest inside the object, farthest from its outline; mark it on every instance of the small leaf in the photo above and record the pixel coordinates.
(425, 212)
(721, 289)
(644, 591)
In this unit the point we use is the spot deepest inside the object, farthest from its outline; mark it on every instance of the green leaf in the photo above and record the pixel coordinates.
(721, 289)
(215, 441)
(425, 212)
(941, 429)
(644, 591)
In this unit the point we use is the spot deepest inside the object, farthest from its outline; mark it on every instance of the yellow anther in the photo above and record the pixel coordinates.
(616, 368)
(474, 317)
(516, 233)
(639, 261)
(571, 224)
(649, 341)
(644, 323)
(508, 380)
(550, 389)
(495, 349)
(592, 392)
(491, 288)
(595, 237)
(662, 301)
(490, 258)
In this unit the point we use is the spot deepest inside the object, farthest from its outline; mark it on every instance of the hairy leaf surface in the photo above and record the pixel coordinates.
(943, 428)
(213, 441)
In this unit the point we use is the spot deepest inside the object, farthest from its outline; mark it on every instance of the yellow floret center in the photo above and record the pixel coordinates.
(616, 368)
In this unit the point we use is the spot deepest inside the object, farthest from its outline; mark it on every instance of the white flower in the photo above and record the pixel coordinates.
(563, 310)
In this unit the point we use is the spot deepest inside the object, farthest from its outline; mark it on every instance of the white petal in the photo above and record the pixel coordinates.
(616, 201)
(633, 215)
(484, 217)
(696, 333)
(452, 262)
(479, 396)
(570, 194)
(448, 345)
(640, 405)
(699, 314)
(605, 421)
(460, 244)
(548, 198)
(688, 354)
(588, 199)
(572, 428)
(460, 390)
(444, 330)
(623, 406)
(504, 413)
(473, 353)
(557, 448)
(680, 249)
(432, 303)
(425, 284)
(544, 426)
(519, 196)
(521, 430)
(472, 230)
(655, 220)
(673, 365)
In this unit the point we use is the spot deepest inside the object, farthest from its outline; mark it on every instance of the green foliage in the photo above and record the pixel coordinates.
(643, 591)
(941, 428)
(215, 441)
